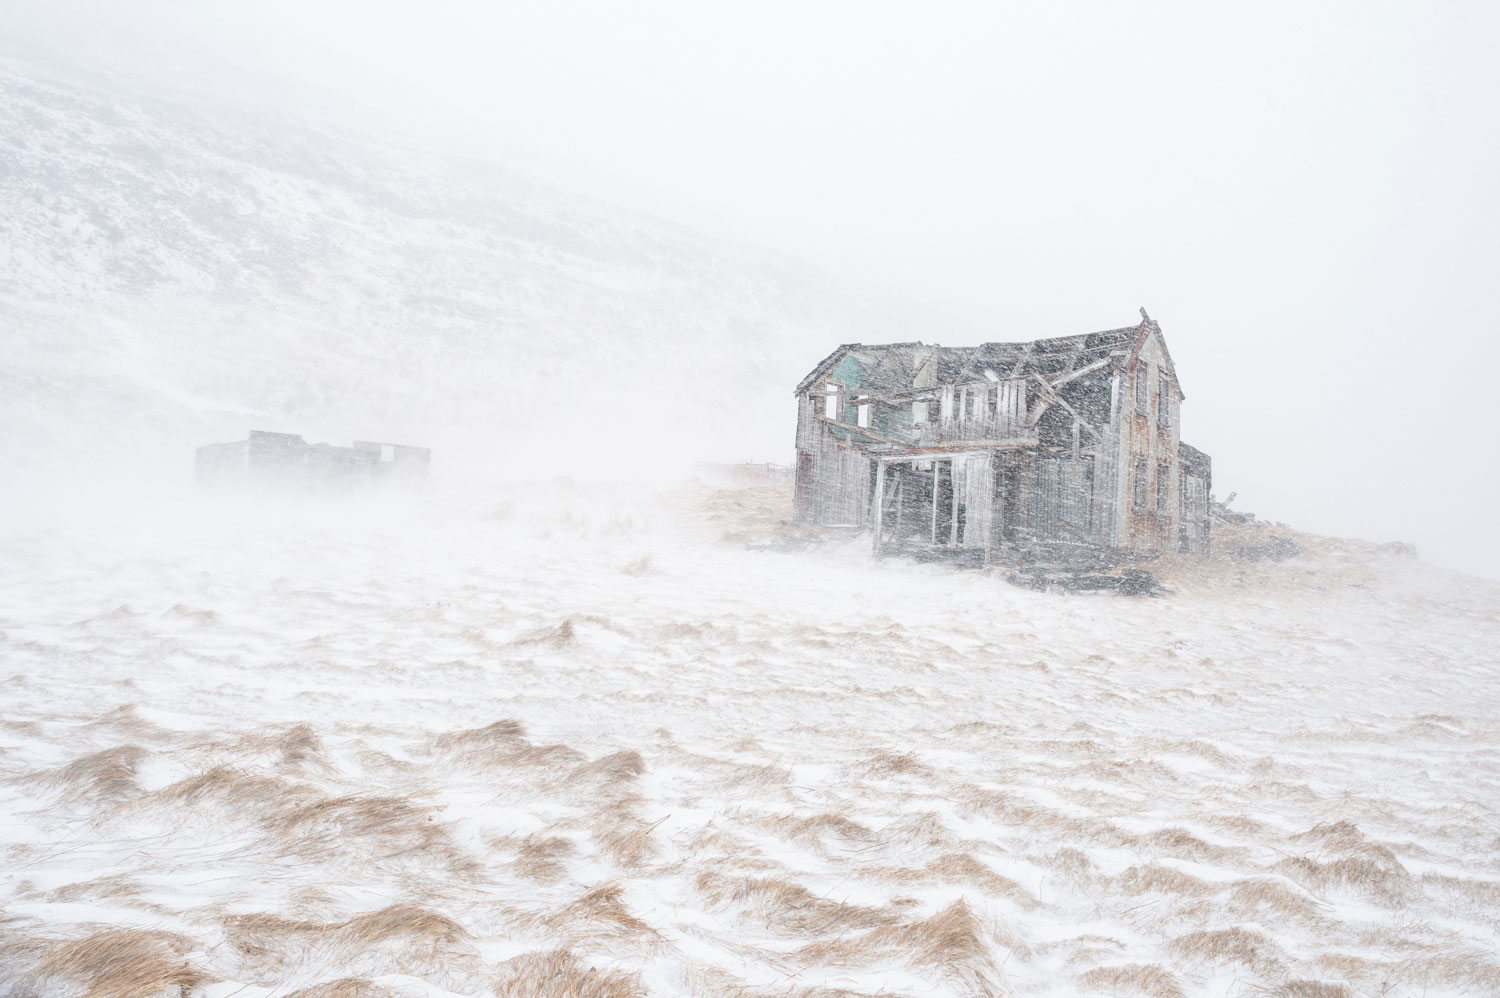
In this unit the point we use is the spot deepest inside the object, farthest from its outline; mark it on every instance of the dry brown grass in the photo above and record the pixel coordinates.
(815, 830)
(344, 987)
(503, 734)
(787, 906)
(1247, 947)
(564, 635)
(1132, 979)
(270, 940)
(885, 765)
(401, 935)
(373, 829)
(403, 921)
(539, 857)
(1342, 835)
(1176, 841)
(1352, 967)
(1272, 901)
(244, 791)
(706, 981)
(127, 719)
(963, 869)
(299, 745)
(1199, 748)
(294, 747)
(554, 757)
(598, 916)
(109, 774)
(1371, 877)
(1467, 968)
(1155, 879)
(1483, 892)
(504, 744)
(559, 974)
(119, 963)
(1071, 862)
(925, 829)
(952, 942)
(1312, 989)
(618, 767)
(116, 886)
(751, 777)
(621, 832)
(1012, 810)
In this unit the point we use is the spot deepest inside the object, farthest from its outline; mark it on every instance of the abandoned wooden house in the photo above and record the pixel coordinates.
(1020, 451)
(286, 461)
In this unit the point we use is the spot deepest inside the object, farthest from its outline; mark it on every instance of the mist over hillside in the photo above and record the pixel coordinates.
(587, 730)
(174, 271)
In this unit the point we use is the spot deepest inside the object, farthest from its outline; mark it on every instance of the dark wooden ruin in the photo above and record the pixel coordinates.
(285, 461)
(1049, 450)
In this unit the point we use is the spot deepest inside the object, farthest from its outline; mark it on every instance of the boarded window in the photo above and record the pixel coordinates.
(1164, 401)
(1163, 483)
(1138, 484)
(1142, 388)
(980, 400)
(1061, 498)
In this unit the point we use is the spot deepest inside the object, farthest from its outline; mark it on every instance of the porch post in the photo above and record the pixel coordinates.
(953, 487)
(936, 464)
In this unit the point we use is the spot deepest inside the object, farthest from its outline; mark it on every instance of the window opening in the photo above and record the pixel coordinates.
(1138, 473)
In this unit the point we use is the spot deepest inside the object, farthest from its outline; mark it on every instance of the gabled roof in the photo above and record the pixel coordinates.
(1143, 333)
(1050, 358)
(893, 365)
(884, 362)
(824, 366)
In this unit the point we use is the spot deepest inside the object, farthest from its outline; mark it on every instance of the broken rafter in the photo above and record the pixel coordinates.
(862, 430)
(1086, 369)
(885, 398)
(1021, 361)
(1050, 398)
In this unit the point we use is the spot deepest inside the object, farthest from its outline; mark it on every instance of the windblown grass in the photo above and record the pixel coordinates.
(119, 963)
(787, 906)
(559, 974)
(1146, 979)
(109, 775)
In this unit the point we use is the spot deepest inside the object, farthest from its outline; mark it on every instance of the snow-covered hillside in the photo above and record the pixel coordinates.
(569, 745)
(598, 738)
(175, 270)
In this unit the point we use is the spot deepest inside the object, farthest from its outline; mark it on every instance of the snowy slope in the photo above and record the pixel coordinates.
(172, 270)
(578, 745)
(569, 740)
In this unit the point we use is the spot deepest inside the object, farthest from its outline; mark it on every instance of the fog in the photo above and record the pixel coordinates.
(1300, 194)
(576, 714)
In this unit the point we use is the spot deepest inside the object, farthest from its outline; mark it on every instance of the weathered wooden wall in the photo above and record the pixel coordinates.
(1148, 436)
(835, 490)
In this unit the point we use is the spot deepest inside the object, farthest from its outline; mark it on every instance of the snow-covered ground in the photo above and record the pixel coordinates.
(571, 740)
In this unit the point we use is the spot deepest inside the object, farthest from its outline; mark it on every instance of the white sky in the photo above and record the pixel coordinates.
(1304, 195)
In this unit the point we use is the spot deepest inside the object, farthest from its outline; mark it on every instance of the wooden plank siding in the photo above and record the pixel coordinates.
(1069, 441)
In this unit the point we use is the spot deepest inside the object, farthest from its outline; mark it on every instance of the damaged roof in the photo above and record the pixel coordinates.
(894, 365)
